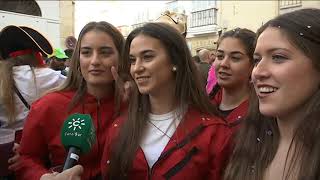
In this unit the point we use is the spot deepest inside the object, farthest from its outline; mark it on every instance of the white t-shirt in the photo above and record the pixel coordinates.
(159, 130)
(31, 88)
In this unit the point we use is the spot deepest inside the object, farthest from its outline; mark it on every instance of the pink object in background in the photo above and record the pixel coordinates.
(212, 80)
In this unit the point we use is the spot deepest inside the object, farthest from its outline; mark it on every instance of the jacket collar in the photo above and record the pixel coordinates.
(190, 126)
(88, 98)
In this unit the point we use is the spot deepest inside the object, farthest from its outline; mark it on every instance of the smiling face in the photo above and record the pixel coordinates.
(284, 78)
(97, 54)
(232, 64)
(151, 67)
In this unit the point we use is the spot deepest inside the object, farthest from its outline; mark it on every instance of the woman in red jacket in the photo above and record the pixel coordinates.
(172, 130)
(233, 66)
(89, 89)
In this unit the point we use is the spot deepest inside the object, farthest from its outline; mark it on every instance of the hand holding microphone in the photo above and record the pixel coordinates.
(73, 173)
(78, 136)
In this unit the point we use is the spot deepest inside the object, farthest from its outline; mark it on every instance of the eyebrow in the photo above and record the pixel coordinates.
(144, 52)
(272, 50)
(85, 48)
(101, 48)
(233, 52)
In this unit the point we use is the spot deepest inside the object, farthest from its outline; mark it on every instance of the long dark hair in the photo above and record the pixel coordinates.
(247, 39)
(189, 90)
(258, 140)
(75, 80)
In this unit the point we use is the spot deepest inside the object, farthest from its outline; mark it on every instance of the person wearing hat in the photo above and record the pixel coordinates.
(57, 61)
(176, 20)
(24, 76)
(69, 53)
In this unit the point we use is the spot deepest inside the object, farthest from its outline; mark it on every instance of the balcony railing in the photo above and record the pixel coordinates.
(203, 17)
(283, 4)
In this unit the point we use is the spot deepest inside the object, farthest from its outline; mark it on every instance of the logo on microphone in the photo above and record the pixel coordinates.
(76, 123)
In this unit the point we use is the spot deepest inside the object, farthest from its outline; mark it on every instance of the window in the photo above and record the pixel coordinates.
(200, 5)
(289, 3)
(29, 7)
(204, 17)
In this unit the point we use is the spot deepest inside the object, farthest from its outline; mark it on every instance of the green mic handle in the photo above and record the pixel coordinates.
(77, 136)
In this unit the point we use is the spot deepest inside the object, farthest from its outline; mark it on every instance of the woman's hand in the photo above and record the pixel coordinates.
(73, 173)
(14, 161)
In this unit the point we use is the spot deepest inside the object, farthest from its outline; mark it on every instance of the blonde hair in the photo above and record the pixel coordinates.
(7, 83)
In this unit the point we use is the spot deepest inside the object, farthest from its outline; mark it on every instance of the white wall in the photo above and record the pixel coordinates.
(50, 9)
(48, 24)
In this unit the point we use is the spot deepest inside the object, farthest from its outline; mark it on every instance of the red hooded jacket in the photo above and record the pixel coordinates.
(237, 115)
(200, 152)
(41, 146)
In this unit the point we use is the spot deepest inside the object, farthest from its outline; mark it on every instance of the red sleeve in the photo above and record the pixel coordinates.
(33, 149)
(221, 149)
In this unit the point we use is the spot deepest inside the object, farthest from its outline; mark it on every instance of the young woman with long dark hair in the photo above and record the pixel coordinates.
(172, 130)
(280, 137)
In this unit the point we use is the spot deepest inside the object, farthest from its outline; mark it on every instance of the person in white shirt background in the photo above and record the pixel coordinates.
(24, 76)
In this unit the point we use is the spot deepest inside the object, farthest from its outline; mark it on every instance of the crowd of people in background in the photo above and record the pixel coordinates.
(60, 60)
(248, 109)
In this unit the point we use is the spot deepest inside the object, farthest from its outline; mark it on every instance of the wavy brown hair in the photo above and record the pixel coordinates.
(252, 157)
(189, 90)
(75, 80)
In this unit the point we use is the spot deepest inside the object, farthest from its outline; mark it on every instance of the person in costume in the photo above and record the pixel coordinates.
(88, 89)
(23, 69)
(24, 76)
(176, 20)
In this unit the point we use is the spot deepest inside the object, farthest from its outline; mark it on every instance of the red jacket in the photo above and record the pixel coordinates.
(41, 146)
(238, 114)
(200, 152)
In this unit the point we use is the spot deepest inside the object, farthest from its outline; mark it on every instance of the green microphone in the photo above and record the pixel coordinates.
(78, 136)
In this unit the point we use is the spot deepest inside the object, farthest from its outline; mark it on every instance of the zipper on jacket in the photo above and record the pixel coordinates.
(98, 114)
(186, 140)
(98, 124)
(150, 170)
